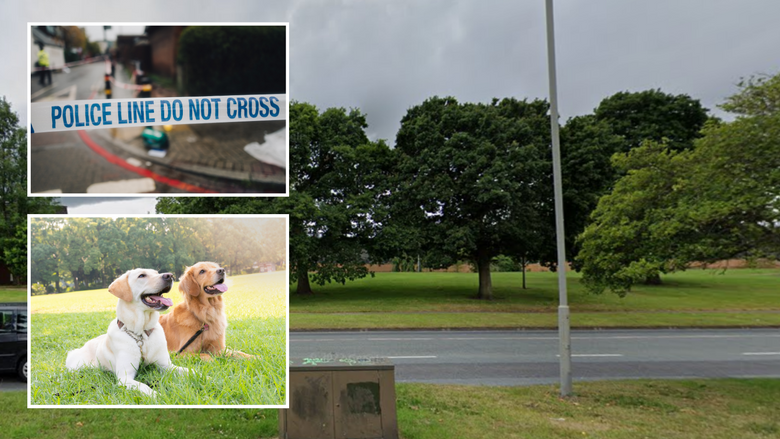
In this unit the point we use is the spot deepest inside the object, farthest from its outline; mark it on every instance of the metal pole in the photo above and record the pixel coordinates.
(563, 305)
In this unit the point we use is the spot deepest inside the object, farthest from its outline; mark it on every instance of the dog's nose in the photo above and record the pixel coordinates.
(220, 271)
(167, 276)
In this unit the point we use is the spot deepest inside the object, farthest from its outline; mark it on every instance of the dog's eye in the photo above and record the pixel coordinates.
(202, 271)
(141, 275)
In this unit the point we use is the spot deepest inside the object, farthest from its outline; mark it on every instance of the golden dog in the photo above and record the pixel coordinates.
(202, 310)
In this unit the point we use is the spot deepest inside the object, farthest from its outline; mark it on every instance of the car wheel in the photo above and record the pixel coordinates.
(22, 369)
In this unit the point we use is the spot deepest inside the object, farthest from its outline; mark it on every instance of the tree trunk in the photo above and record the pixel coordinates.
(485, 285)
(522, 262)
(654, 279)
(304, 289)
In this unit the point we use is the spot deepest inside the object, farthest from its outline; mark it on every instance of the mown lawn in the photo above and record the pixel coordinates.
(256, 307)
(13, 294)
(690, 409)
(702, 298)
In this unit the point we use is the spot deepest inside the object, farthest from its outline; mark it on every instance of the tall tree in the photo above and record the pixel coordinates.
(717, 201)
(336, 176)
(587, 146)
(472, 178)
(14, 204)
(654, 115)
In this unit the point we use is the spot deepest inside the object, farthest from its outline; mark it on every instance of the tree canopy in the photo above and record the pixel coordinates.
(474, 178)
(719, 200)
(14, 204)
(653, 115)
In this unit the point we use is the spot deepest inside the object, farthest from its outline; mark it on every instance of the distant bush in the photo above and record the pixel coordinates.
(37, 289)
(222, 60)
(503, 263)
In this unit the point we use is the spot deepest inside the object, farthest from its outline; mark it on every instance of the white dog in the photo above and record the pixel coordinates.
(135, 335)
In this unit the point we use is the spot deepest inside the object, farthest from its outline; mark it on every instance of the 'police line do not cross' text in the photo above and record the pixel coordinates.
(122, 113)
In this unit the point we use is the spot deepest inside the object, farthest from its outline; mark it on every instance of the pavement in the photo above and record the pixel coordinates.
(208, 157)
(512, 358)
(9, 382)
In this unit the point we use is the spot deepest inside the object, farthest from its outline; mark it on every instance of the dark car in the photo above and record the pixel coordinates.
(13, 338)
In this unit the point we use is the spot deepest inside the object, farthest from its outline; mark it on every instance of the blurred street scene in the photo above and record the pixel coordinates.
(159, 61)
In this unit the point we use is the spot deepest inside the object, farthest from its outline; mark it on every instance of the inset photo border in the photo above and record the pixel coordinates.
(126, 109)
(178, 311)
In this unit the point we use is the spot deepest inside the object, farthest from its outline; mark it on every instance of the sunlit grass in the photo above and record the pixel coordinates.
(256, 307)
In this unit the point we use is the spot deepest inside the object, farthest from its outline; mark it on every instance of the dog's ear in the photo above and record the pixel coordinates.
(121, 288)
(188, 285)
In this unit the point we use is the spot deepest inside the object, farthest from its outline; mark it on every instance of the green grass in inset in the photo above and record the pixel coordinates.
(256, 309)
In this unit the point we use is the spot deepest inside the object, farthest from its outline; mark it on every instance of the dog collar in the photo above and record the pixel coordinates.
(139, 338)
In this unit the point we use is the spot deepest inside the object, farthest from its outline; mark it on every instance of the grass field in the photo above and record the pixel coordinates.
(256, 309)
(13, 294)
(701, 298)
(698, 409)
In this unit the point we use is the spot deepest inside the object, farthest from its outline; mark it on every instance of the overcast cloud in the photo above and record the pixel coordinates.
(386, 56)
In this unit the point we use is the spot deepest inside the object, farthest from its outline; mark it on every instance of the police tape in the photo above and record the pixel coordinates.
(126, 113)
(71, 64)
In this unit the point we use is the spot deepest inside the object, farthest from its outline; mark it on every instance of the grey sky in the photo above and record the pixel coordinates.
(386, 56)
(95, 33)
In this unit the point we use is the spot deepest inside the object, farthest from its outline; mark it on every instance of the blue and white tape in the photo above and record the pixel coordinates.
(125, 113)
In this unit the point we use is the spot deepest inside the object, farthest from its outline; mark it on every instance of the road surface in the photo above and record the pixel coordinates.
(509, 358)
(9, 381)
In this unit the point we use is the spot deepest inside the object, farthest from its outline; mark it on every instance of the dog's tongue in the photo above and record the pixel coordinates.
(164, 300)
(221, 287)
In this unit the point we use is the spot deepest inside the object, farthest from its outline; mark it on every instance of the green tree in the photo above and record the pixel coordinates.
(473, 178)
(716, 201)
(44, 253)
(14, 204)
(675, 120)
(337, 177)
(587, 146)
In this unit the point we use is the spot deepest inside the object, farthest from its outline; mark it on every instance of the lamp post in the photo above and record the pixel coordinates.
(564, 333)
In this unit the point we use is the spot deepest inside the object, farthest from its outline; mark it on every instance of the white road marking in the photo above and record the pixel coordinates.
(66, 94)
(761, 353)
(402, 339)
(595, 355)
(137, 185)
(41, 91)
(414, 356)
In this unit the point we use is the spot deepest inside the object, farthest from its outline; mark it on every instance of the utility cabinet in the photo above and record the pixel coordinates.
(341, 398)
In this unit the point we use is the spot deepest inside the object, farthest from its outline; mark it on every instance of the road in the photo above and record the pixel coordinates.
(509, 358)
(9, 381)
